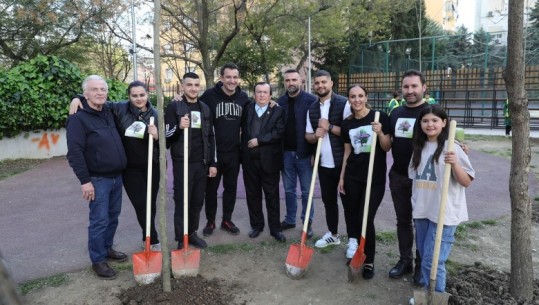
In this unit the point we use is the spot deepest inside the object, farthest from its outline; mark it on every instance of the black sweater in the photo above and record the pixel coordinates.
(226, 111)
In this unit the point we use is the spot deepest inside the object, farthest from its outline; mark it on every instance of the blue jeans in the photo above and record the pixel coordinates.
(104, 212)
(425, 236)
(295, 168)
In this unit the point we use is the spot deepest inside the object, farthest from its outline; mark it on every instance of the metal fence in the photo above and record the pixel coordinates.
(473, 97)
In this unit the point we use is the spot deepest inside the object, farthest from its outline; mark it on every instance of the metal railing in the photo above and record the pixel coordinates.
(473, 97)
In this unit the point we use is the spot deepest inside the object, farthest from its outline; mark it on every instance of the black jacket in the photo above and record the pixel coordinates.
(176, 110)
(303, 101)
(270, 138)
(94, 147)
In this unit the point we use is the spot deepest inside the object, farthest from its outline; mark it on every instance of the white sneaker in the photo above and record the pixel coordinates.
(154, 247)
(352, 247)
(327, 240)
(411, 302)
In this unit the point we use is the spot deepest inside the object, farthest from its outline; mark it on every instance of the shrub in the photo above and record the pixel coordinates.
(36, 94)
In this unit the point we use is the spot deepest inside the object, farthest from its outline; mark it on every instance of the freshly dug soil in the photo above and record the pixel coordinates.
(189, 290)
(481, 285)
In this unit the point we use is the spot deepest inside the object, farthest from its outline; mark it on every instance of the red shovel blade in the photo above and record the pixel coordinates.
(147, 265)
(298, 259)
(357, 261)
(186, 261)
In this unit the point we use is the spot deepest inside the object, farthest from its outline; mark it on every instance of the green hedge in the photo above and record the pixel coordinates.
(35, 95)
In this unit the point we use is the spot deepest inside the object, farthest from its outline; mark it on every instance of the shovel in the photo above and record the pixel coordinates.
(147, 264)
(186, 261)
(359, 257)
(299, 256)
(431, 297)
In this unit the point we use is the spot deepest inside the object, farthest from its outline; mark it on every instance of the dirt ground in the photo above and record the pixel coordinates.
(255, 274)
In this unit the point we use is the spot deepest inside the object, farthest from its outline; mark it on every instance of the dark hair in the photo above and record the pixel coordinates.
(395, 94)
(420, 138)
(136, 83)
(291, 71)
(356, 85)
(231, 66)
(192, 75)
(262, 83)
(322, 73)
(414, 73)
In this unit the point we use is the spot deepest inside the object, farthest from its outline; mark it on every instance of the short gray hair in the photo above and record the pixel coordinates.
(90, 78)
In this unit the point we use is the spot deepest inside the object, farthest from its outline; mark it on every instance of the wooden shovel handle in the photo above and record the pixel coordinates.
(441, 214)
(149, 181)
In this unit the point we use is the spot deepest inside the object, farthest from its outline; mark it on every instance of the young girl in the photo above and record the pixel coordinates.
(427, 171)
(357, 131)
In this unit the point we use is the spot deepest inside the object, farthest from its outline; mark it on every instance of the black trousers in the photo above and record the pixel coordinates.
(257, 181)
(401, 193)
(196, 186)
(354, 206)
(228, 168)
(329, 181)
(135, 184)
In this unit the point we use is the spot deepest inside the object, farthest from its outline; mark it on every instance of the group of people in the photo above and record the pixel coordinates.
(225, 129)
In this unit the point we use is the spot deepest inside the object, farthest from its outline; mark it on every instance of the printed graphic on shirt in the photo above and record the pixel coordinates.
(136, 130)
(230, 111)
(361, 139)
(195, 119)
(426, 178)
(404, 128)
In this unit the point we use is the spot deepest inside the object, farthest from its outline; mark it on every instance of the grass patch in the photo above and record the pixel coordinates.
(386, 237)
(51, 281)
(452, 267)
(230, 248)
(125, 266)
(464, 229)
(327, 249)
(478, 137)
(11, 167)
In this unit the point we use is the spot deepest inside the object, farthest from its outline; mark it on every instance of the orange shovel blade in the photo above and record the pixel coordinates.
(297, 261)
(357, 261)
(147, 266)
(185, 262)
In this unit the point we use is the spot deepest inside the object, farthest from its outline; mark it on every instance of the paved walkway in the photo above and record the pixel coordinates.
(43, 220)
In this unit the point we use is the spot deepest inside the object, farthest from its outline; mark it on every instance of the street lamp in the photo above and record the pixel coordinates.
(407, 52)
(323, 7)
(134, 35)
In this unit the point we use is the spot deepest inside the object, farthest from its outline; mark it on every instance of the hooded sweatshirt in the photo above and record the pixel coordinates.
(226, 111)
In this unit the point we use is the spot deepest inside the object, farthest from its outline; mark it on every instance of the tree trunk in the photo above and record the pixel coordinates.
(167, 287)
(521, 285)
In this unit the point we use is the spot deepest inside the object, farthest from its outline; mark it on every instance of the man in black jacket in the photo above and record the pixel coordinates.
(97, 156)
(192, 114)
(262, 159)
(298, 152)
(226, 101)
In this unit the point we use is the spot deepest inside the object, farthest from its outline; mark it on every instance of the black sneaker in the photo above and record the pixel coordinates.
(400, 269)
(230, 227)
(208, 230)
(418, 277)
(196, 241)
(368, 272)
(285, 225)
(104, 271)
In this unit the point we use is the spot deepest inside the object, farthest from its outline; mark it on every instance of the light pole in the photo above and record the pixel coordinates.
(407, 52)
(309, 52)
(134, 36)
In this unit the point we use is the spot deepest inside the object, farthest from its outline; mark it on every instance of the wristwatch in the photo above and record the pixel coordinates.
(330, 128)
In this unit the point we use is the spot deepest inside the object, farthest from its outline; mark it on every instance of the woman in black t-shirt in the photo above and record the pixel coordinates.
(357, 132)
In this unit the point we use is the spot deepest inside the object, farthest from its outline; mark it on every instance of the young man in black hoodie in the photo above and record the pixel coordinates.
(226, 101)
(190, 113)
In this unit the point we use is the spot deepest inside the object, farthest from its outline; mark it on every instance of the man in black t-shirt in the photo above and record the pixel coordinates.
(196, 116)
(402, 121)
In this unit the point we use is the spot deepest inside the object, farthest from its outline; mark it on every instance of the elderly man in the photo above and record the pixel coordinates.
(97, 156)
(262, 159)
